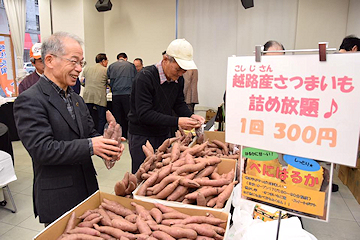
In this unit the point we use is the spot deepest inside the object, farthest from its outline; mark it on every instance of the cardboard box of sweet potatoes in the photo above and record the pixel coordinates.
(54, 230)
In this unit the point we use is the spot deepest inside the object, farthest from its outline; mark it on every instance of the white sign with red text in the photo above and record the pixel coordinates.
(295, 104)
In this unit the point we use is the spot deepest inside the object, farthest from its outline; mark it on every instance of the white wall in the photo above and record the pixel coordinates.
(321, 21)
(94, 34)
(139, 28)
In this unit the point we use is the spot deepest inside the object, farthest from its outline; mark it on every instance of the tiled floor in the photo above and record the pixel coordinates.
(344, 221)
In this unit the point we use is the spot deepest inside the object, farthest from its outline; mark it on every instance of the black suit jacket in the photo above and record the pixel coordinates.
(64, 174)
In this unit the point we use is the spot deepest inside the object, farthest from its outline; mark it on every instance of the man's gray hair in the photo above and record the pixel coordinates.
(54, 44)
(171, 59)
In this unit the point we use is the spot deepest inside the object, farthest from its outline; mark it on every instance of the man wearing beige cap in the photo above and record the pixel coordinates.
(157, 91)
(35, 58)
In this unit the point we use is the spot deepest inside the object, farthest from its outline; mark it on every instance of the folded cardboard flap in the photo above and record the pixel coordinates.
(54, 230)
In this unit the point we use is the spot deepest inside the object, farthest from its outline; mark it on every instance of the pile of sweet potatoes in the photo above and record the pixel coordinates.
(114, 221)
(177, 172)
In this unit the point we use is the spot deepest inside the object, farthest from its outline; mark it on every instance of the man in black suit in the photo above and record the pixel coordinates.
(57, 130)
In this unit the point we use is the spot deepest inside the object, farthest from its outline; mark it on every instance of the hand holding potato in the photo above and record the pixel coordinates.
(188, 123)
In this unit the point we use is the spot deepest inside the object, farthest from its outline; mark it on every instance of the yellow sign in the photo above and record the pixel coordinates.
(283, 195)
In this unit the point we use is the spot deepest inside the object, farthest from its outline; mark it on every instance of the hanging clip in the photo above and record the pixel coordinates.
(258, 53)
(322, 51)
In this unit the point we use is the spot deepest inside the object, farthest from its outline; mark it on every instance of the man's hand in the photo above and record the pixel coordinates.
(198, 118)
(106, 148)
(188, 123)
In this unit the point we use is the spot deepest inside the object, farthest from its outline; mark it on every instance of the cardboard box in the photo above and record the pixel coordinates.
(343, 173)
(54, 230)
(209, 115)
(224, 167)
(353, 182)
(211, 135)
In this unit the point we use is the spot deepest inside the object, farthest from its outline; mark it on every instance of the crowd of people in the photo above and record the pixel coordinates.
(62, 130)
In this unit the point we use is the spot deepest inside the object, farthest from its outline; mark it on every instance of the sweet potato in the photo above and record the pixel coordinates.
(176, 232)
(149, 182)
(132, 218)
(124, 225)
(175, 151)
(177, 193)
(149, 146)
(85, 214)
(188, 183)
(221, 145)
(205, 172)
(162, 235)
(165, 171)
(80, 236)
(156, 214)
(105, 217)
(90, 223)
(141, 211)
(71, 223)
(112, 215)
(200, 229)
(200, 199)
(175, 215)
(204, 238)
(217, 229)
(120, 188)
(167, 190)
(161, 185)
(212, 202)
(203, 219)
(206, 191)
(115, 232)
(191, 168)
(214, 183)
(147, 151)
(118, 209)
(85, 230)
(143, 226)
(163, 208)
(225, 195)
(131, 187)
(170, 222)
(93, 215)
(164, 145)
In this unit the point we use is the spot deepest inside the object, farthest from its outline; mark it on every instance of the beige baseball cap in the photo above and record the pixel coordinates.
(182, 51)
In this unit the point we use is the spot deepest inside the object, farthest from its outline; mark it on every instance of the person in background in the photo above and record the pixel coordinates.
(190, 88)
(350, 44)
(121, 74)
(157, 91)
(273, 46)
(77, 86)
(138, 62)
(95, 90)
(35, 59)
(57, 130)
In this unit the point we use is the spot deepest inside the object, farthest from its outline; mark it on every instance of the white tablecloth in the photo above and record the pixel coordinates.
(7, 173)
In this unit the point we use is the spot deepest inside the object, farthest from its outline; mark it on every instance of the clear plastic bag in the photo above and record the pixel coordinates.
(112, 131)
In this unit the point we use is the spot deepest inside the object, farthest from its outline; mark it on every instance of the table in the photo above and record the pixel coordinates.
(7, 175)
(5, 142)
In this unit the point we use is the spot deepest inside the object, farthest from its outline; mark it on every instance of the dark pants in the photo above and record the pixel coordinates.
(120, 110)
(135, 147)
(98, 113)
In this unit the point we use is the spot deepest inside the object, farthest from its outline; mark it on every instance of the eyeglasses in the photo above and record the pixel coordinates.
(82, 63)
